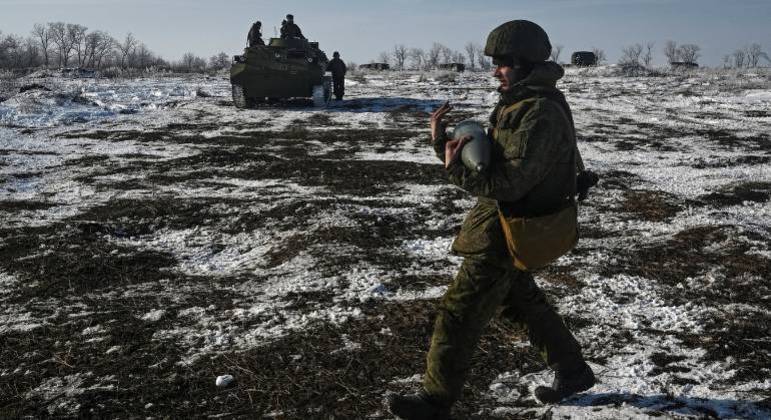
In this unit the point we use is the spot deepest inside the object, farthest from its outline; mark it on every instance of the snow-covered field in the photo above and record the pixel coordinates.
(153, 237)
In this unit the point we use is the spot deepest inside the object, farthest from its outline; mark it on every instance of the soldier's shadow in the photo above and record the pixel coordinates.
(392, 105)
(384, 104)
(662, 403)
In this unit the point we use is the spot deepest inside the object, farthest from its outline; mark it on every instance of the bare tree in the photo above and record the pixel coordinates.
(483, 61)
(447, 54)
(100, 44)
(188, 61)
(77, 38)
(17, 52)
(727, 61)
(599, 54)
(191, 63)
(555, 53)
(689, 53)
(630, 55)
(740, 58)
(471, 53)
(384, 57)
(418, 58)
(62, 41)
(400, 55)
(44, 39)
(31, 54)
(433, 55)
(11, 51)
(671, 51)
(754, 54)
(458, 57)
(219, 61)
(199, 64)
(126, 48)
(647, 58)
(5, 48)
(141, 57)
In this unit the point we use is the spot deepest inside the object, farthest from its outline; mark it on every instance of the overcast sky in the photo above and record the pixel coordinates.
(361, 29)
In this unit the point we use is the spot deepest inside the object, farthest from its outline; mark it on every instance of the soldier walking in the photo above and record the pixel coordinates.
(533, 172)
(338, 69)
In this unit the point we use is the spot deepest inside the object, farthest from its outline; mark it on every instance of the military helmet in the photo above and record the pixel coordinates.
(519, 38)
(336, 54)
(289, 17)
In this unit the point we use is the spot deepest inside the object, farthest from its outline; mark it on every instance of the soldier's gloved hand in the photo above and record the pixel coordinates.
(584, 181)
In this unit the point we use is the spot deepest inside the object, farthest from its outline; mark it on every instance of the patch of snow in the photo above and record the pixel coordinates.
(153, 316)
(19, 322)
(416, 378)
(96, 329)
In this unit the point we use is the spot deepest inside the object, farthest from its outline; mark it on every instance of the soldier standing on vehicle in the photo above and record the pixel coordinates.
(532, 172)
(289, 29)
(255, 35)
(338, 69)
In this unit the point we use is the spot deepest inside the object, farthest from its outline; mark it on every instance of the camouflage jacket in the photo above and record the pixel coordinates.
(255, 36)
(533, 165)
(291, 30)
(337, 67)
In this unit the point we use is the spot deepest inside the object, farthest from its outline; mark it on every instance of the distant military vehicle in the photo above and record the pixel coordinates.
(683, 65)
(583, 58)
(375, 66)
(285, 68)
(458, 67)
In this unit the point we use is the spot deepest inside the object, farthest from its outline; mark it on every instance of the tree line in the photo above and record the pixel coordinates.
(61, 45)
(642, 55)
(402, 57)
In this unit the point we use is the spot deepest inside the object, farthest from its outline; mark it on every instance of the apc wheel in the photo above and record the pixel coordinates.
(239, 97)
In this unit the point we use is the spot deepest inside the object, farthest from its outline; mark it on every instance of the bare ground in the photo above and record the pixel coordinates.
(85, 283)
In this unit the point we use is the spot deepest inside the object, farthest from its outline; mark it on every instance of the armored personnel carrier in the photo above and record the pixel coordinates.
(285, 68)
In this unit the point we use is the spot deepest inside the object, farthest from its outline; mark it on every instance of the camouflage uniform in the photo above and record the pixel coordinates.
(255, 35)
(533, 172)
(338, 69)
(290, 30)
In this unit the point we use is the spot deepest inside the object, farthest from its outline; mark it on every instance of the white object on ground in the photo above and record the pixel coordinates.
(224, 380)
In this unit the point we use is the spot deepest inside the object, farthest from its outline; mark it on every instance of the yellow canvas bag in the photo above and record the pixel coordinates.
(534, 242)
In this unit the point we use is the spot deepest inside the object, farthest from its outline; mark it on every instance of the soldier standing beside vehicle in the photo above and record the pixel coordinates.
(289, 29)
(532, 172)
(338, 69)
(255, 35)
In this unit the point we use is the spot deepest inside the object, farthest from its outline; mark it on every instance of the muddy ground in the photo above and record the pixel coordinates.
(201, 252)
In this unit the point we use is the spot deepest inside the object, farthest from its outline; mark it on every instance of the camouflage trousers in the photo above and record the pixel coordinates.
(482, 287)
(338, 85)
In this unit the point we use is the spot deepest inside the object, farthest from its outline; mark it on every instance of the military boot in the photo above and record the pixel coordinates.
(418, 406)
(566, 383)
